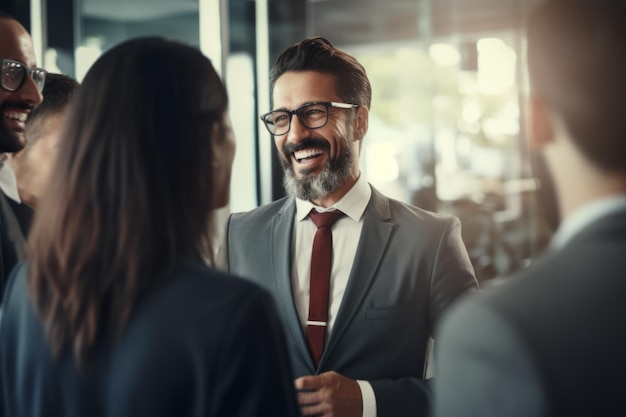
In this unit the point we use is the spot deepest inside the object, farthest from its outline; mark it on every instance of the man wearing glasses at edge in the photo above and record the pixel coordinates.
(396, 268)
(20, 91)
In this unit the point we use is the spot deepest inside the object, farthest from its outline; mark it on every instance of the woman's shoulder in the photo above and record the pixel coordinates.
(197, 306)
(192, 287)
(191, 275)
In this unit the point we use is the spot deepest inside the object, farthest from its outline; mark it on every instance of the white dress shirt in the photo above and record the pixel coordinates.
(8, 183)
(346, 233)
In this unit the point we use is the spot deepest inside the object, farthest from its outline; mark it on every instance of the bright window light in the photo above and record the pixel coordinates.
(444, 54)
(496, 66)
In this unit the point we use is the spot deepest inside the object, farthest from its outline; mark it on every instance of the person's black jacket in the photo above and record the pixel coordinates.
(23, 213)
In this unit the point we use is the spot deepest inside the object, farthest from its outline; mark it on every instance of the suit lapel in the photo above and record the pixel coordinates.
(281, 243)
(377, 228)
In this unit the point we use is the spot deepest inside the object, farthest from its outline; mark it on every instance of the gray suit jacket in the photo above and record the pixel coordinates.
(549, 341)
(410, 266)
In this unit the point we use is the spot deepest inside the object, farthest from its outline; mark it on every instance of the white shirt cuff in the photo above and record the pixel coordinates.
(369, 399)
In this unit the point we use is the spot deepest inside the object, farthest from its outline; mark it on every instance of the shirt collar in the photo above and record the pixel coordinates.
(586, 215)
(353, 203)
(8, 183)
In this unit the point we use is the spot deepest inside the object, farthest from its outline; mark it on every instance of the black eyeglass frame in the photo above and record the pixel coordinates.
(28, 72)
(291, 113)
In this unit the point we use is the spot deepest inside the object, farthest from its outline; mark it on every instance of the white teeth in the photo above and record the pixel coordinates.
(307, 153)
(16, 116)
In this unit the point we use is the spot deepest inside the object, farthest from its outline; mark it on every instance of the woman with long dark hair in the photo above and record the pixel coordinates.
(115, 312)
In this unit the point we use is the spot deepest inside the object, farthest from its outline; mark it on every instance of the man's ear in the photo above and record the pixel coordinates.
(540, 123)
(362, 118)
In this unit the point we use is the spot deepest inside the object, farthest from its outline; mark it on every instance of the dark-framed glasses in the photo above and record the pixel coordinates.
(14, 74)
(311, 115)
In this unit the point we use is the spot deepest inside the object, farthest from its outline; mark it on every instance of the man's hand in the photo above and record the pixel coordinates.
(329, 395)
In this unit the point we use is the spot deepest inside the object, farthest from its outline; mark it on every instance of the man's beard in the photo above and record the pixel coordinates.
(316, 186)
(10, 141)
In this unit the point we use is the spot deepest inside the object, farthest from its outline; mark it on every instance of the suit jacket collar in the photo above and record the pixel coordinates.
(375, 236)
(611, 224)
(607, 226)
(585, 216)
(281, 243)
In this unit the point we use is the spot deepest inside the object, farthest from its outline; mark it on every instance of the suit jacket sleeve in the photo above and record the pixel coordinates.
(483, 367)
(452, 275)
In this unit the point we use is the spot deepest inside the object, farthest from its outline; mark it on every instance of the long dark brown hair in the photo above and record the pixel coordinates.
(131, 190)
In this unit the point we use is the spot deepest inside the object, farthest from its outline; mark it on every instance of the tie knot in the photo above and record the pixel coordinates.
(325, 219)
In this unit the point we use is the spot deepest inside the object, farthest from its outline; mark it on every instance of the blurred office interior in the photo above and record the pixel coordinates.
(446, 128)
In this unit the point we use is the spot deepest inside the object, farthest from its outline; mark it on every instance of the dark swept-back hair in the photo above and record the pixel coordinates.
(131, 190)
(57, 94)
(577, 64)
(318, 54)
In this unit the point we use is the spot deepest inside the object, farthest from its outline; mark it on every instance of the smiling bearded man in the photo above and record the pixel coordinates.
(358, 314)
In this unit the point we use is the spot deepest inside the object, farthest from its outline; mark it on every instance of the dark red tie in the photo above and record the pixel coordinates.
(321, 262)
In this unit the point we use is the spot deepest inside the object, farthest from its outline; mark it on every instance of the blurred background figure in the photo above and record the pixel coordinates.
(116, 312)
(20, 91)
(550, 340)
(32, 165)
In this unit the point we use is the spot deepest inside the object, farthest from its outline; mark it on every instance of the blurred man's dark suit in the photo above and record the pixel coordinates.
(550, 353)
(22, 216)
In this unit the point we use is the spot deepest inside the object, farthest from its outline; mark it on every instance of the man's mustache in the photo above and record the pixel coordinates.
(16, 105)
(290, 148)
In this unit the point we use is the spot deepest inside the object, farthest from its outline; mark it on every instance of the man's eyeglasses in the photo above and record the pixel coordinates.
(14, 74)
(312, 116)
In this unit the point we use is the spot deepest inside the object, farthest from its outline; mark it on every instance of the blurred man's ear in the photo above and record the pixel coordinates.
(362, 117)
(540, 128)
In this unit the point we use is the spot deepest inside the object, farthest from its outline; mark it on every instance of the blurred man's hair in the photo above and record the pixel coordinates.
(57, 94)
(577, 64)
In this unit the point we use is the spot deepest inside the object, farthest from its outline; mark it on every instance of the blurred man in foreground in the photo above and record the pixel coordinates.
(550, 341)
